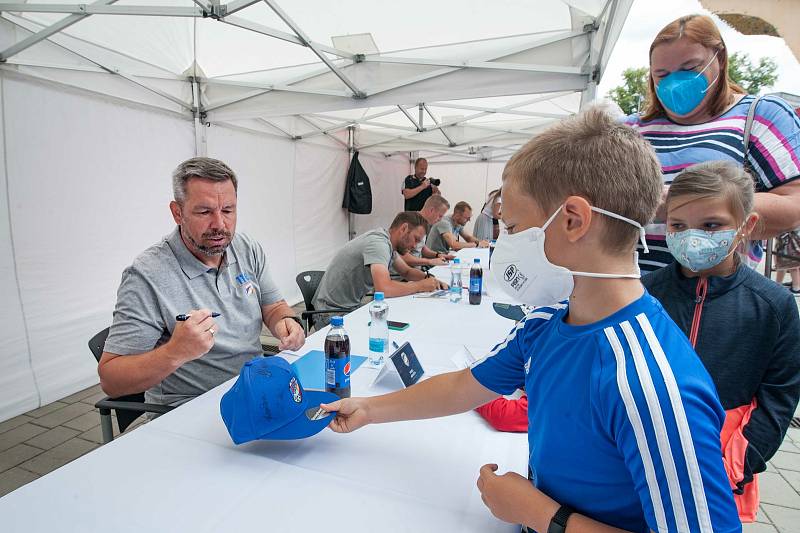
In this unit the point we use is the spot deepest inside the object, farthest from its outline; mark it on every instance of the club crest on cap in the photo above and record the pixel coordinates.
(294, 387)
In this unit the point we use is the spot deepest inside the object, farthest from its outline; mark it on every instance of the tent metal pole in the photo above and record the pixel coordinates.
(94, 9)
(410, 118)
(237, 5)
(46, 32)
(275, 126)
(320, 130)
(200, 145)
(351, 230)
(282, 35)
(358, 93)
(436, 122)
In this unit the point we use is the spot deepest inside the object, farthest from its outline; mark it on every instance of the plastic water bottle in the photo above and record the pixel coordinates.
(337, 359)
(378, 329)
(475, 282)
(455, 281)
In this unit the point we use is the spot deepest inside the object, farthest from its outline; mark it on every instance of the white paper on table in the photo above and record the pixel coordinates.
(463, 358)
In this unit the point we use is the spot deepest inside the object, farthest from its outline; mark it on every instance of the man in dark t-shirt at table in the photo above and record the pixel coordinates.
(417, 188)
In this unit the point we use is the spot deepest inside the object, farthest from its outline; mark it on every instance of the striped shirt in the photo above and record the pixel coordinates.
(624, 421)
(773, 155)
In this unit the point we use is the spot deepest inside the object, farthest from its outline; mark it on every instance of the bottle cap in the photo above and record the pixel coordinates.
(477, 260)
(378, 296)
(457, 261)
(337, 321)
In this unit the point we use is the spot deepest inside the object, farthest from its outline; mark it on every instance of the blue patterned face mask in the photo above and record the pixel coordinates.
(683, 90)
(698, 249)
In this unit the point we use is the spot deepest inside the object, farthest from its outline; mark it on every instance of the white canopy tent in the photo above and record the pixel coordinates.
(100, 101)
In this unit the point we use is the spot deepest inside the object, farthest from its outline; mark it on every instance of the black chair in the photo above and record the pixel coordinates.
(308, 282)
(128, 408)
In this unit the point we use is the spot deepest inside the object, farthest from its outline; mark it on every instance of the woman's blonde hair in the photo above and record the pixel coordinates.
(700, 29)
(715, 179)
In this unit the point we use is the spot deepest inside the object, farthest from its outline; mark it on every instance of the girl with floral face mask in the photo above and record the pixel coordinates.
(744, 327)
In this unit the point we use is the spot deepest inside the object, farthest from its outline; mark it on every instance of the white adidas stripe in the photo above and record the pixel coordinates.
(638, 430)
(521, 324)
(696, 480)
(659, 427)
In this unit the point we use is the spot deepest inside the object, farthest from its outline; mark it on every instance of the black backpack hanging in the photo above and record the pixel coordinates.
(358, 192)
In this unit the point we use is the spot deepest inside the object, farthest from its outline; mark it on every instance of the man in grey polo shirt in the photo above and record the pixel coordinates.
(203, 266)
(432, 210)
(443, 235)
(363, 265)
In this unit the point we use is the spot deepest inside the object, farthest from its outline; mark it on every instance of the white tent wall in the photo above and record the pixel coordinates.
(470, 181)
(86, 193)
(17, 388)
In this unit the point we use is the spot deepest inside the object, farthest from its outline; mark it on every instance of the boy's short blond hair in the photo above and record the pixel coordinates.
(593, 156)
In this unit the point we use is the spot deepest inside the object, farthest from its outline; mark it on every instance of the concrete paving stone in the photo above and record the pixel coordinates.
(96, 434)
(786, 520)
(85, 422)
(94, 398)
(11, 423)
(16, 455)
(793, 478)
(786, 461)
(19, 435)
(758, 527)
(58, 456)
(45, 409)
(52, 437)
(65, 414)
(774, 489)
(789, 446)
(81, 394)
(13, 479)
(794, 435)
(761, 516)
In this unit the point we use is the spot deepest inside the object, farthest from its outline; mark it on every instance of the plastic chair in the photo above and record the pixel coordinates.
(128, 408)
(308, 282)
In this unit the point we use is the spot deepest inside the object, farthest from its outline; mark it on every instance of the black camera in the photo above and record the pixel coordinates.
(435, 181)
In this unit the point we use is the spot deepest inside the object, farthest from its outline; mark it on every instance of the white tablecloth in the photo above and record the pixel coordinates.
(181, 472)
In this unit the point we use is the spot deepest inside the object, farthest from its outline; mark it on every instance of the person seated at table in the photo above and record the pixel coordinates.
(204, 263)
(362, 266)
(714, 297)
(487, 225)
(624, 420)
(433, 210)
(443, 235)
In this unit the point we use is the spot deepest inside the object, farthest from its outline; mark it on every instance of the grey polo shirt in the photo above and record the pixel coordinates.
(348, 277)
(416, 252)
(446, 225)
(167, 280)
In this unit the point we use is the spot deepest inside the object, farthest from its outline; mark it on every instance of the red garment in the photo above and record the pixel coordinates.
(506, 415)
(734, 448)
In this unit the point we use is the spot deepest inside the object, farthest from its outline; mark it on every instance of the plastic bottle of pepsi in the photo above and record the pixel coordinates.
(337, 359)
(378, 329)
(475, 282)
(455, 281)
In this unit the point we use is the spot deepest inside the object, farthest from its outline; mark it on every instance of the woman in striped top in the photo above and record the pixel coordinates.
(695, 113)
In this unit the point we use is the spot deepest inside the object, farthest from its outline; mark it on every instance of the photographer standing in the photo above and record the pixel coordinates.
(417, 188)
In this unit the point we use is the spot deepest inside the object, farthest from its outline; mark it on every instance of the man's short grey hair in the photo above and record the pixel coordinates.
(200, 167)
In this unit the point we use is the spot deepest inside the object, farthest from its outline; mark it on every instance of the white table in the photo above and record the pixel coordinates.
(181, 472)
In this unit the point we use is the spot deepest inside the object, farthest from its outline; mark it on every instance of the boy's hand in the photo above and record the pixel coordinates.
(351, 414)
(506, 496)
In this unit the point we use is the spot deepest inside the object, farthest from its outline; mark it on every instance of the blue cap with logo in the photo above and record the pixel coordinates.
(268, 402)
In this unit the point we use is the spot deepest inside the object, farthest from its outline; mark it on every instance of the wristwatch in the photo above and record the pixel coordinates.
(559, 522)
(300, 323)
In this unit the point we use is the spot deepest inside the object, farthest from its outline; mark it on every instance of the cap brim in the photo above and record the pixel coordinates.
(302, 426)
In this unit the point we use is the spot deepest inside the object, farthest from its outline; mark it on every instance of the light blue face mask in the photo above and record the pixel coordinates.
(680, 92)
(698, 250)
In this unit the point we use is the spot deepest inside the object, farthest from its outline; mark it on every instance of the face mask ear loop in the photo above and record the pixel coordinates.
(704, 69)
(552, 217)
(629, 221)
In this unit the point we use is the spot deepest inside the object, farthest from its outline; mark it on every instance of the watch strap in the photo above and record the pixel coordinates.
(558, 524)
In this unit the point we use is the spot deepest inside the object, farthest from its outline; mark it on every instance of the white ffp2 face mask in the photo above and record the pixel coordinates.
(520, 265)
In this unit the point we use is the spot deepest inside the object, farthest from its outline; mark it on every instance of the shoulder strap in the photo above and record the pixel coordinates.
(748, 126)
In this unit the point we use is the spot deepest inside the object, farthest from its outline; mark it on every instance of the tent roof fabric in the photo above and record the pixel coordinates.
(452, 86)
